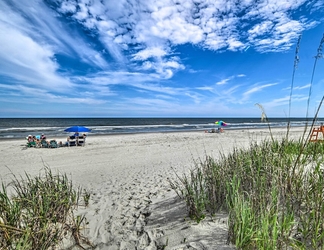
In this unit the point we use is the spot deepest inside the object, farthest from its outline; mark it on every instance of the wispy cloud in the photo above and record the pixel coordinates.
(224, 81)
(284, 101)
(31, 37)
(258, 88)
(228, 79)
(307, 86)
(298, 87)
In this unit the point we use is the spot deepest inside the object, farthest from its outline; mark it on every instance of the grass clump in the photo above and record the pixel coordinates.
(39, 213)
(274, 199)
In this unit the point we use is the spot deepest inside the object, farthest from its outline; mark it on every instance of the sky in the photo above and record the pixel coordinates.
(161, 58)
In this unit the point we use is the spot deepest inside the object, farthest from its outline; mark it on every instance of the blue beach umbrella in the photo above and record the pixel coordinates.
(78, 129)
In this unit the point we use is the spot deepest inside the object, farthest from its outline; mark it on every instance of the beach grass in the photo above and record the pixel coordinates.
(272, 190)
(39, 212)
(273, 197)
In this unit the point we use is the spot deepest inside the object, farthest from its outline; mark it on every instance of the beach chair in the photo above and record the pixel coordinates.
(72, 141)
(31, 144)
(53, 144)
(44, 144)
(315, 136)
(81, 140)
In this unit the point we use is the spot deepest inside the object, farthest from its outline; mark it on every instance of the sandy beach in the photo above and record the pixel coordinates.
(132, 205)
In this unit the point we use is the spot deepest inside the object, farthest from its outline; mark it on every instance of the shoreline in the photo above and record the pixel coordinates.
(162, 132)
(132, 205)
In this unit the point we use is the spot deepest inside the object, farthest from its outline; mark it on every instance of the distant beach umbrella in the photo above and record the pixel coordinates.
(78, 129)
(220, 123)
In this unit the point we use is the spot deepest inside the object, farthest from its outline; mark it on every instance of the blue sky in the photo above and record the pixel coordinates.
(159, 58)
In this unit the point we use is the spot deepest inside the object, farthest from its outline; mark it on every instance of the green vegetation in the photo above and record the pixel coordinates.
(39, 214)
(275, 199)
(272, 191)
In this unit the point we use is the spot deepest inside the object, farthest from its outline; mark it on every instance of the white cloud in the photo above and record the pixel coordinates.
(284, 101)
(307, 86)
(150, 52)
(206, 88)
(319, 4)
(224, 81)
(150, 29)
(33, 95)
(28, 62)
(234, 44)
(177, 30)
(31, 37)
(260, 29)
(257, 88)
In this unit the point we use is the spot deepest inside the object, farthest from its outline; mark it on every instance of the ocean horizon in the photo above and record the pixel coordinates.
(22, 127)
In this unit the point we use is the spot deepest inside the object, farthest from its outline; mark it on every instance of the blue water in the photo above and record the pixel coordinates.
(21, 127)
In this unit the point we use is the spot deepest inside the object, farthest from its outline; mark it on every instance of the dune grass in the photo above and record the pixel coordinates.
(275, 199)
(272, 191)
(39, 212)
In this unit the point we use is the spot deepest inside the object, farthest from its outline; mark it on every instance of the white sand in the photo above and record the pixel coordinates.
(132, 205)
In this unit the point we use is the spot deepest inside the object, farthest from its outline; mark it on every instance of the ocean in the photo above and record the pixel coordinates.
(22, 127)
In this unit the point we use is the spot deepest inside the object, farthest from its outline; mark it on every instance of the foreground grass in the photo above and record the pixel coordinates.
(39, 213)
(272, 191)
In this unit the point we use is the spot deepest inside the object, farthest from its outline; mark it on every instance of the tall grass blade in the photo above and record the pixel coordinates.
(319, 55)
(296, 61)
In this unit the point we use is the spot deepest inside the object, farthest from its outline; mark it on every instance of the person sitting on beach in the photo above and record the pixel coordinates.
(81, 140)
(37, 140)
(220, 130)
(44, 143)
(70, 140)
(29, 138)
(67, 141)
(83, 136)
(43, 137)
(31, 141)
